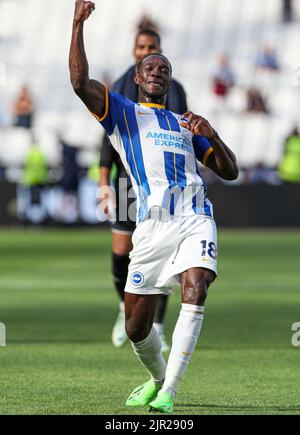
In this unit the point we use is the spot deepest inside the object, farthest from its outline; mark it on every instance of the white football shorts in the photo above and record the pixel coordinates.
(162, 250)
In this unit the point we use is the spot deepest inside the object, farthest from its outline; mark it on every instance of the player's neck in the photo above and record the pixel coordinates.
(155, 105)
(159, 102)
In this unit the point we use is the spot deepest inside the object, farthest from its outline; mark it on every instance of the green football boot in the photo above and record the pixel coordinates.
(143, 394)
(163, 403)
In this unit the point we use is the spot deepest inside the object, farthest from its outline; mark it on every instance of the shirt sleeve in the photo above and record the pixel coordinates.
(202, 148)
(114, 104)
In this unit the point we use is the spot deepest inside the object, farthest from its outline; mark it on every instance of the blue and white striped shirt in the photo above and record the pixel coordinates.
(159, 155)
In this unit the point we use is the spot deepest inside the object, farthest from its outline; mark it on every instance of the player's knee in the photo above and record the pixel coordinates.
(196, 294)
(136, 331)
(196, 287)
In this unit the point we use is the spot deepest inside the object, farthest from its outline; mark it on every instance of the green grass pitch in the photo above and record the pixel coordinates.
(58, 304)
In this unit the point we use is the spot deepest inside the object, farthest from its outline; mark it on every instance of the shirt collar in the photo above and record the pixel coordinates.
(157, 106)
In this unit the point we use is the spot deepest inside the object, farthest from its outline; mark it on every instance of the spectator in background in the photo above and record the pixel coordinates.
(69, 212)
(223, 79)
(266, 59)
(287, 11)
(289, 168)
(256, 103)
(88, 195)
(70, 178)
(30, 197)
(35, 170)
(23, 109)
(261, 174)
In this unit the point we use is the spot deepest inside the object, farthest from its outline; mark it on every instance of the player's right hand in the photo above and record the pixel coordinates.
(83, 9)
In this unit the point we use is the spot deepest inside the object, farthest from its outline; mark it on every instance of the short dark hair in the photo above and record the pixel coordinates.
(156, 55)
(148, 32)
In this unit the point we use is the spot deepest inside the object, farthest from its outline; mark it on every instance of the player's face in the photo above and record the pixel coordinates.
(145, 45)
(154, 77)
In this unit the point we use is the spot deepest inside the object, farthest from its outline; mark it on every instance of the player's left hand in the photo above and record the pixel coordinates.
(197, 125)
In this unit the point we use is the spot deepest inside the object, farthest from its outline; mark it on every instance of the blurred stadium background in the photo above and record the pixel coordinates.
(57, 299)
(34, 47)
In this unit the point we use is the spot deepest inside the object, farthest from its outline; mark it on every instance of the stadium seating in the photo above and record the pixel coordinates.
(15, 143)
(35, 37)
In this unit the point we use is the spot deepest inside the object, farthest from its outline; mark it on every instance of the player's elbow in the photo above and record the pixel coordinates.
(232, 170)
(233, 173)
(79, 86)
(76, 85)
(230, 173)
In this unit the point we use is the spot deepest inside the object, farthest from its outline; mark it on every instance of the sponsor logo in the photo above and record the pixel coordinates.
(170, 140)
(143, 113)
(137, 278)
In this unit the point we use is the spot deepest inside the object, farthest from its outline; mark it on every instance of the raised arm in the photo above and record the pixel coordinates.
(222, 161)
(91, 92)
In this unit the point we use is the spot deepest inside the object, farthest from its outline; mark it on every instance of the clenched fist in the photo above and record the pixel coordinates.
(83, 10)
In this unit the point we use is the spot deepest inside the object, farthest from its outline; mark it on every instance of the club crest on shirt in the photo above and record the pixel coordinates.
(137, 279)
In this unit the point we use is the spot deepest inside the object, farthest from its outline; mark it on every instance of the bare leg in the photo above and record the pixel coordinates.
(121, 246)
(194, 285)
(139, 314)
